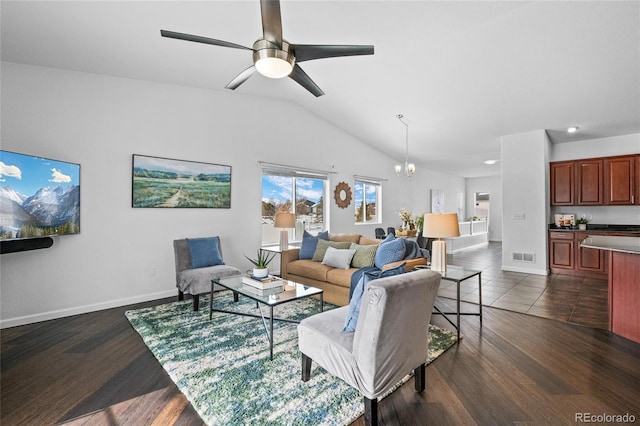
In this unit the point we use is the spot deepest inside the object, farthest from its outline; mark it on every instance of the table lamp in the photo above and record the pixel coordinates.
(284, 220)
(440, 225)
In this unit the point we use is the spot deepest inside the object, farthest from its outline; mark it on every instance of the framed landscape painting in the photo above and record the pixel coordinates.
(164, 182)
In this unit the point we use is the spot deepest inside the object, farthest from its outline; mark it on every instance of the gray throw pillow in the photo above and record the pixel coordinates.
(338, 258)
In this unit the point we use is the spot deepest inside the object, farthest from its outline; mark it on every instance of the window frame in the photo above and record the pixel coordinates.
(295, 174)
(368, 182)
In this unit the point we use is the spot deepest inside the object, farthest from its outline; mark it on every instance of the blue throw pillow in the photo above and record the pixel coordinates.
(309, 244)
(205, 252)
(351, 321)
(390, 250)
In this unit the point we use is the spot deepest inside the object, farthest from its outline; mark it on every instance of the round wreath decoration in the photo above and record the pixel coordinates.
(342, 195)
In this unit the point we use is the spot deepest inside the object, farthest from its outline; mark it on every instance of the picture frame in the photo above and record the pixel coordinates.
(158, 182)
(437, 201)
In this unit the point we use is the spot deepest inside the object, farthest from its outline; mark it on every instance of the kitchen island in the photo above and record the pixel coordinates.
(624, 282)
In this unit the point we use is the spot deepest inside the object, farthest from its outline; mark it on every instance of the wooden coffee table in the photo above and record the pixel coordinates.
(291, 291)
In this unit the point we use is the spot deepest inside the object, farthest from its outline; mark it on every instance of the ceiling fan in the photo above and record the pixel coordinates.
(275, 57)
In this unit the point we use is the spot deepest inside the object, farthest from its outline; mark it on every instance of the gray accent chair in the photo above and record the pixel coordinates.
(390, 339)
(196, 281)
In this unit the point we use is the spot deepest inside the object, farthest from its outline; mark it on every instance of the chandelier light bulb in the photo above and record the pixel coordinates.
(398, 169)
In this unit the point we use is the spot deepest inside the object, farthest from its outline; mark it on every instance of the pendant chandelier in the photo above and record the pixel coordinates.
(409, 168)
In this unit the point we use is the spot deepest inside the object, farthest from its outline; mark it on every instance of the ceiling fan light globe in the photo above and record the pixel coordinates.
(411, 169)
(398, 169)
(273, 67)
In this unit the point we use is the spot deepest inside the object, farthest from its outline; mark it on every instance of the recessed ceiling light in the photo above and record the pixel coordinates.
(490, 161)
(573, 129)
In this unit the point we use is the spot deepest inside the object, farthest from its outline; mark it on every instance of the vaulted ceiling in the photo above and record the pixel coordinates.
(462, 73)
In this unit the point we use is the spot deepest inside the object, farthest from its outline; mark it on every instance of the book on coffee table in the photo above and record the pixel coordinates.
(262, 283)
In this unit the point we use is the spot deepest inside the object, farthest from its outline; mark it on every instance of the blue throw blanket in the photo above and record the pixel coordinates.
(358, 274)
(412, 251)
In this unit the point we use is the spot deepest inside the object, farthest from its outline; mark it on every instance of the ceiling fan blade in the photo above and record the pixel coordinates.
(271, 21)
(307, 52)
(241, 78)
(305, 81)
(200, 39)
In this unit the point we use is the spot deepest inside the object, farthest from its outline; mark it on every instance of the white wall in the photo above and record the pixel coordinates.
(604, 147)
(525, 177)
(492, 185)
(124, 255)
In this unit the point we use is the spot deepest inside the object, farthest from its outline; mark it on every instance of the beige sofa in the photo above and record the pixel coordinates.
(334, 281)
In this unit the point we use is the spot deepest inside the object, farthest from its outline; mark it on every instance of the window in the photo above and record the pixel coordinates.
(293, 190)
(367, 201)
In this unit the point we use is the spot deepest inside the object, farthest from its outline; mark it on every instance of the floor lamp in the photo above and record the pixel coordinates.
(284, 220)
(440, 225)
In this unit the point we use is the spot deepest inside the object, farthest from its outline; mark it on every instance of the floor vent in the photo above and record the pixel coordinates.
(523, 257)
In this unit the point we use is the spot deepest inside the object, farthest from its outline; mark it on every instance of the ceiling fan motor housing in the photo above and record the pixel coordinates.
(272, 61)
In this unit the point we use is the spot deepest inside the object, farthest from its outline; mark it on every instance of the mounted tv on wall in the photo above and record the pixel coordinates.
(39, 197)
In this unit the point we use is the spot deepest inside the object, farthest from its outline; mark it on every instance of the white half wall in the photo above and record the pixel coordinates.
(525, 179)
(125, 255)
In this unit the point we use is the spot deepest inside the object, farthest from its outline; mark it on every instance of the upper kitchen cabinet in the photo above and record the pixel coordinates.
(619, 180)
(589, 182)
(562, 183)
(608, 181)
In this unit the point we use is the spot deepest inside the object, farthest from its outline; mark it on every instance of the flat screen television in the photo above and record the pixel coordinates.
(39, 197)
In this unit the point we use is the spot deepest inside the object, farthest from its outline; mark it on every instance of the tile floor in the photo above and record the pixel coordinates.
(561, 297)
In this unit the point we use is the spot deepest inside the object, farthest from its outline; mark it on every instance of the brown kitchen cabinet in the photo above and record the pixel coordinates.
(637, 179)
(589, 182)
(607, 181)
(589, 259)
(562, 183)
(619, 180)
(561, 250)
(567, 257)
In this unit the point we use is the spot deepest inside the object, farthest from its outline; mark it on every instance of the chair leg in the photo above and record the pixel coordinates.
(180, 295)
(420, 375)
(306, 368)
(196, 302)
(235, 296)
(370, 411)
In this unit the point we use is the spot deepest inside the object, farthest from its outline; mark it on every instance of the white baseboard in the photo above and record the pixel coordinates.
(525, 270)
(45, 316)
(470, 247)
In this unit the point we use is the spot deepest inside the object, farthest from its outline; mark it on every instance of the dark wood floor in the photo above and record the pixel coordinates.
(93, 369)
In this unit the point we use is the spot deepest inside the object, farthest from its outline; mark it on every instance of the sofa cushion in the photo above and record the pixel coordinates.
(321, 248)
(338, 258)
(309, 243)
(364, 255)
(308, 268)
(351, 321)
(390, 250)
(349, 238)
(205, 252)
(341, 277)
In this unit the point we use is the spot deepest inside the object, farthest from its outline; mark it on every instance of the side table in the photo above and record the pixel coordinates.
(459, 274)
(276, 249)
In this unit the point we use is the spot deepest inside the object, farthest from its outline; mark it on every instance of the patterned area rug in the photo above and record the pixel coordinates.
(222, 366)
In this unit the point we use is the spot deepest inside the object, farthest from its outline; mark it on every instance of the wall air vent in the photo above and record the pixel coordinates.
(523, 257)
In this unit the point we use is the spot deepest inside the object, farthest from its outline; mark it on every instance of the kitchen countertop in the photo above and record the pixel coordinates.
(600, 228)
(622, 244)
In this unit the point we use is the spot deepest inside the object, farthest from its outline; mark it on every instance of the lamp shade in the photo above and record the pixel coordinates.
(441, 225)
(285, 220)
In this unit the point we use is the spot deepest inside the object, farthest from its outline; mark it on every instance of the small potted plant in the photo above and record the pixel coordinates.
(582, 223)
(261, 263)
